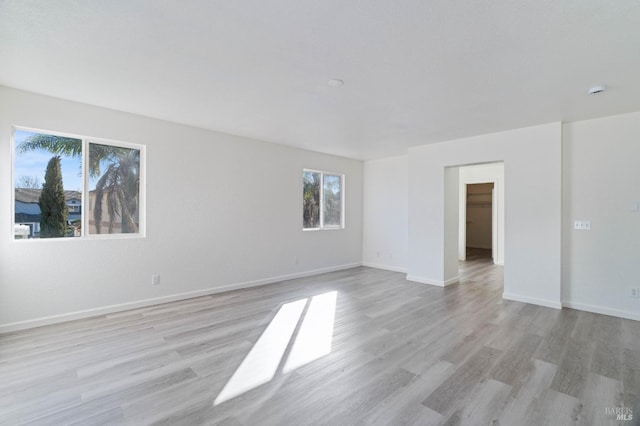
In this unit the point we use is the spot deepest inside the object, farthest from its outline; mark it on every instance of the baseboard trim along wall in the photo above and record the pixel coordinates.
(602, 310)
(87, 313)
(385, 267)
(438, 283)
(532, 300)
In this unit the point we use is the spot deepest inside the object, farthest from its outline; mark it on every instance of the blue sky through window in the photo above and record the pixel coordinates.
(34, 164)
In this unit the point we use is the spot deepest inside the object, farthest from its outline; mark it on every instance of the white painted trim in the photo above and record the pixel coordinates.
(430, 281)
(87, 313)
(532, 300)
(462, 219)
(602, 310)
(453, 280)
(422, 280)
(385, 267)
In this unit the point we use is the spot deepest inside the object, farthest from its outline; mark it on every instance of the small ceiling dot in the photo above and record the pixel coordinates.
(335, 82)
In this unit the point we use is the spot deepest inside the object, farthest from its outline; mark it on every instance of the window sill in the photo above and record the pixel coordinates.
(322, 229)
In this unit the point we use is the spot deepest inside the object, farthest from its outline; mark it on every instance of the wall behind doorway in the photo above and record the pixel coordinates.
(479, 215)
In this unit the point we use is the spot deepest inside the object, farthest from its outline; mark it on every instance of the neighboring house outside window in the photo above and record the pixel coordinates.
(27, 210)
(107, 175)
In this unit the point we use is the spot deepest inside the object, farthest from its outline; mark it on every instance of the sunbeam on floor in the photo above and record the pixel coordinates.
(312, 342)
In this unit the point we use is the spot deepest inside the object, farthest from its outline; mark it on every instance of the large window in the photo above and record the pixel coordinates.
(323, 200)
(71, 187)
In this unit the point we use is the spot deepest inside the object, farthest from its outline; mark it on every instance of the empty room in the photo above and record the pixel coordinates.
(319, 213)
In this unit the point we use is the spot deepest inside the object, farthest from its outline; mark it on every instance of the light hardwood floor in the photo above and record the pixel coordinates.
(401, 353)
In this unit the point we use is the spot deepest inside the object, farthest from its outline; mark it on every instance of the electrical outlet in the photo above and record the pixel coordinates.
(155, 279)
(634, 293)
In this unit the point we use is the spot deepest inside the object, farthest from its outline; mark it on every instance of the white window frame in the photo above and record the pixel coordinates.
(86, 140)
(342, 201)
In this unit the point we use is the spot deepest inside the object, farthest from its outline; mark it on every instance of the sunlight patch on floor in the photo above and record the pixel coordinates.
(314, 337)
(312, 342)
(261, 363)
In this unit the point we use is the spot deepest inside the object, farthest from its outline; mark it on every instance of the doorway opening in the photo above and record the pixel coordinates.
(480, 225)
(481, 210)
(480, 222)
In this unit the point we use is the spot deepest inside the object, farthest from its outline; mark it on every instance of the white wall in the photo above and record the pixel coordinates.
(484, 173)
(450, 231)
(385, 213)
(243, 196)
(601, 177)
(532, 159)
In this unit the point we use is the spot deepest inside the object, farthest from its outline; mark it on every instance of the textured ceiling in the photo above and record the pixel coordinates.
(415, 71)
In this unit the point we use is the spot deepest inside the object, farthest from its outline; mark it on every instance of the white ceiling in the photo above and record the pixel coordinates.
(415, 71)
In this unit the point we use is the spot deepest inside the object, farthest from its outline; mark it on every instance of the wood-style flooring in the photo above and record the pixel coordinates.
(356, 347)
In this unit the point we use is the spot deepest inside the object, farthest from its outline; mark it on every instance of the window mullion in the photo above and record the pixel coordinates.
(321, 200)
(341, 201)
(85, 185)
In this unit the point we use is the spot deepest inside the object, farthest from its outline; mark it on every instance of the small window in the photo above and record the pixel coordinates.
(66, 187)
(323, 199)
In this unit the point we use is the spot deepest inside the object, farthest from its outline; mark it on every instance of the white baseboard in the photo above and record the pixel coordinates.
(430, 281)
(602, 310)
(532, 300)
(103, 310)
(385, 267)
(453, 280)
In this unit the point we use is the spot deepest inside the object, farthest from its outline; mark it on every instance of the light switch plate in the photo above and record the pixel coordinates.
(582, 225)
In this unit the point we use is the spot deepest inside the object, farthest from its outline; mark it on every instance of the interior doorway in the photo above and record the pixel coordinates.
(481, 197)
(480, 218)
(481, 227)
